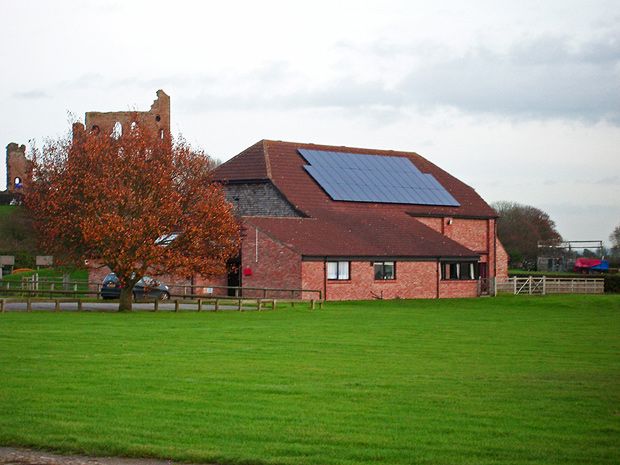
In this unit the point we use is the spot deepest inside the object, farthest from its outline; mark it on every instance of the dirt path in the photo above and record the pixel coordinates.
(17, 456)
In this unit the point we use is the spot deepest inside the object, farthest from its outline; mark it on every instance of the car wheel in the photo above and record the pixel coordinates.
(164, 296)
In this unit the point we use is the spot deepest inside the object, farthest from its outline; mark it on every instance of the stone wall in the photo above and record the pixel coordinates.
(156, 119)
(18, 167)
(258, 199)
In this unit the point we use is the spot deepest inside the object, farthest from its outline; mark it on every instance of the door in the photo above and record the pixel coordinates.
(234, 277)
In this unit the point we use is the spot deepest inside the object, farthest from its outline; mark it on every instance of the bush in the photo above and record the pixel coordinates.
(612, 283)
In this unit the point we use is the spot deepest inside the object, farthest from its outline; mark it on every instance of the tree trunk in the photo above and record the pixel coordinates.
(126, 299)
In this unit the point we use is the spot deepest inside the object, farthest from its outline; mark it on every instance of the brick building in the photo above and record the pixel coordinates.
(337, 229)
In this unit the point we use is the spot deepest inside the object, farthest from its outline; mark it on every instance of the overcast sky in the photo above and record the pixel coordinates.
(521, 100)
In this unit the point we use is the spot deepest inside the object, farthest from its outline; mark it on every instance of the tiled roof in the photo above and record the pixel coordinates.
(360, 234)
(250, 165)
(281, 163)
(342, 228)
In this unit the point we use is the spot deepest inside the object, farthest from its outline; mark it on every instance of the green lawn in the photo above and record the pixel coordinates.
(6, 210)
(510, 380)
(75, 274)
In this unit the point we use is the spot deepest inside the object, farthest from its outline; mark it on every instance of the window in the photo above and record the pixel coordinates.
(385, 270)
(338, 271)
(459, 270)
(117, 130)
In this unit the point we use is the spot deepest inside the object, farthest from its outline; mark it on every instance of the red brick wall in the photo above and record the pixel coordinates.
(451, 289)
(502, 261)
(273, 265)
(312, 274)
(473, 234)
(414, 280)
(433, 223)
(476, 235)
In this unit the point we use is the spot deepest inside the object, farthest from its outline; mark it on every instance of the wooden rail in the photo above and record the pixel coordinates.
(50, 286)
(201, 304)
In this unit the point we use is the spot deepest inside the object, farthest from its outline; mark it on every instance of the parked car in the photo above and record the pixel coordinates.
(146, 288)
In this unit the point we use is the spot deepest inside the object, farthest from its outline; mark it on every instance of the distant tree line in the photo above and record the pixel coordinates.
(520, 228)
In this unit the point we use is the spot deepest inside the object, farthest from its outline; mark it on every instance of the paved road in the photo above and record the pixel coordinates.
(19, 456)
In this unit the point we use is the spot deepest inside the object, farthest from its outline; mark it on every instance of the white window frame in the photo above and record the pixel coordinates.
(342, 271)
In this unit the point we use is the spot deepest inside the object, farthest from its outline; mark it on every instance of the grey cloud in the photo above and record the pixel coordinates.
(31, 95)
(539, 78)
(484, 83)
(542, 77)
(613, 180)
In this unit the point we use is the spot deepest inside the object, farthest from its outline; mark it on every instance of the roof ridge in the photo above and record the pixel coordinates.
(344, 147)
(267, 160)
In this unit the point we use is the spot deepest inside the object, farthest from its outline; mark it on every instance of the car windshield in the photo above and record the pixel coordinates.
(147, 281)
(110, 277)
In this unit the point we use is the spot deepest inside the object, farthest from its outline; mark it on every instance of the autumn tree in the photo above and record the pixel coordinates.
(521, 227)
(113, 199)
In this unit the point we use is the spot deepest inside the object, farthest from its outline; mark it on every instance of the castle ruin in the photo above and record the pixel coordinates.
(157, 118)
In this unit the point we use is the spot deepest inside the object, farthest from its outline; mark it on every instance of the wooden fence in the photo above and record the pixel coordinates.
(37, 286)
(207, 304)
(534, 285)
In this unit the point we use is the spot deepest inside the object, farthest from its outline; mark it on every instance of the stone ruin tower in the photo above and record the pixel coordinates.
(18, 167)
(117, 122)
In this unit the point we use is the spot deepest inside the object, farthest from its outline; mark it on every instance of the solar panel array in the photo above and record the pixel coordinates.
(374, 178)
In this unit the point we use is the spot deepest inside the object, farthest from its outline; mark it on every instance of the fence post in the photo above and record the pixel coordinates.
(259, 302)
(176, 305)
(514, 283)
(156, 306)
(275, 303)
(217, 304)
(240, 308)
(28, 305)
(544, 283)
(529, 285)
(79, 305)
(312, 304)
(56, 305)
(1, 305)
(199, 305)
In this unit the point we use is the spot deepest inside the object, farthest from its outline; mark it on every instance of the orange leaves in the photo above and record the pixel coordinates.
(111, 199)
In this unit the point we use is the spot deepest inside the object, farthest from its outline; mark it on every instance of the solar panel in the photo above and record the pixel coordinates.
(374, 178)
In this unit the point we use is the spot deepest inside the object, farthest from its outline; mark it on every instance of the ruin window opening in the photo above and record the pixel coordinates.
(117, 131)
(17, 181)
(161, 133)
(95, 129)
(158, 118)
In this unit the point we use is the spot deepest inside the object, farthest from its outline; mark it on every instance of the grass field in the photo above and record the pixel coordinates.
(49, 274)
(6, 210)
(510, 380)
